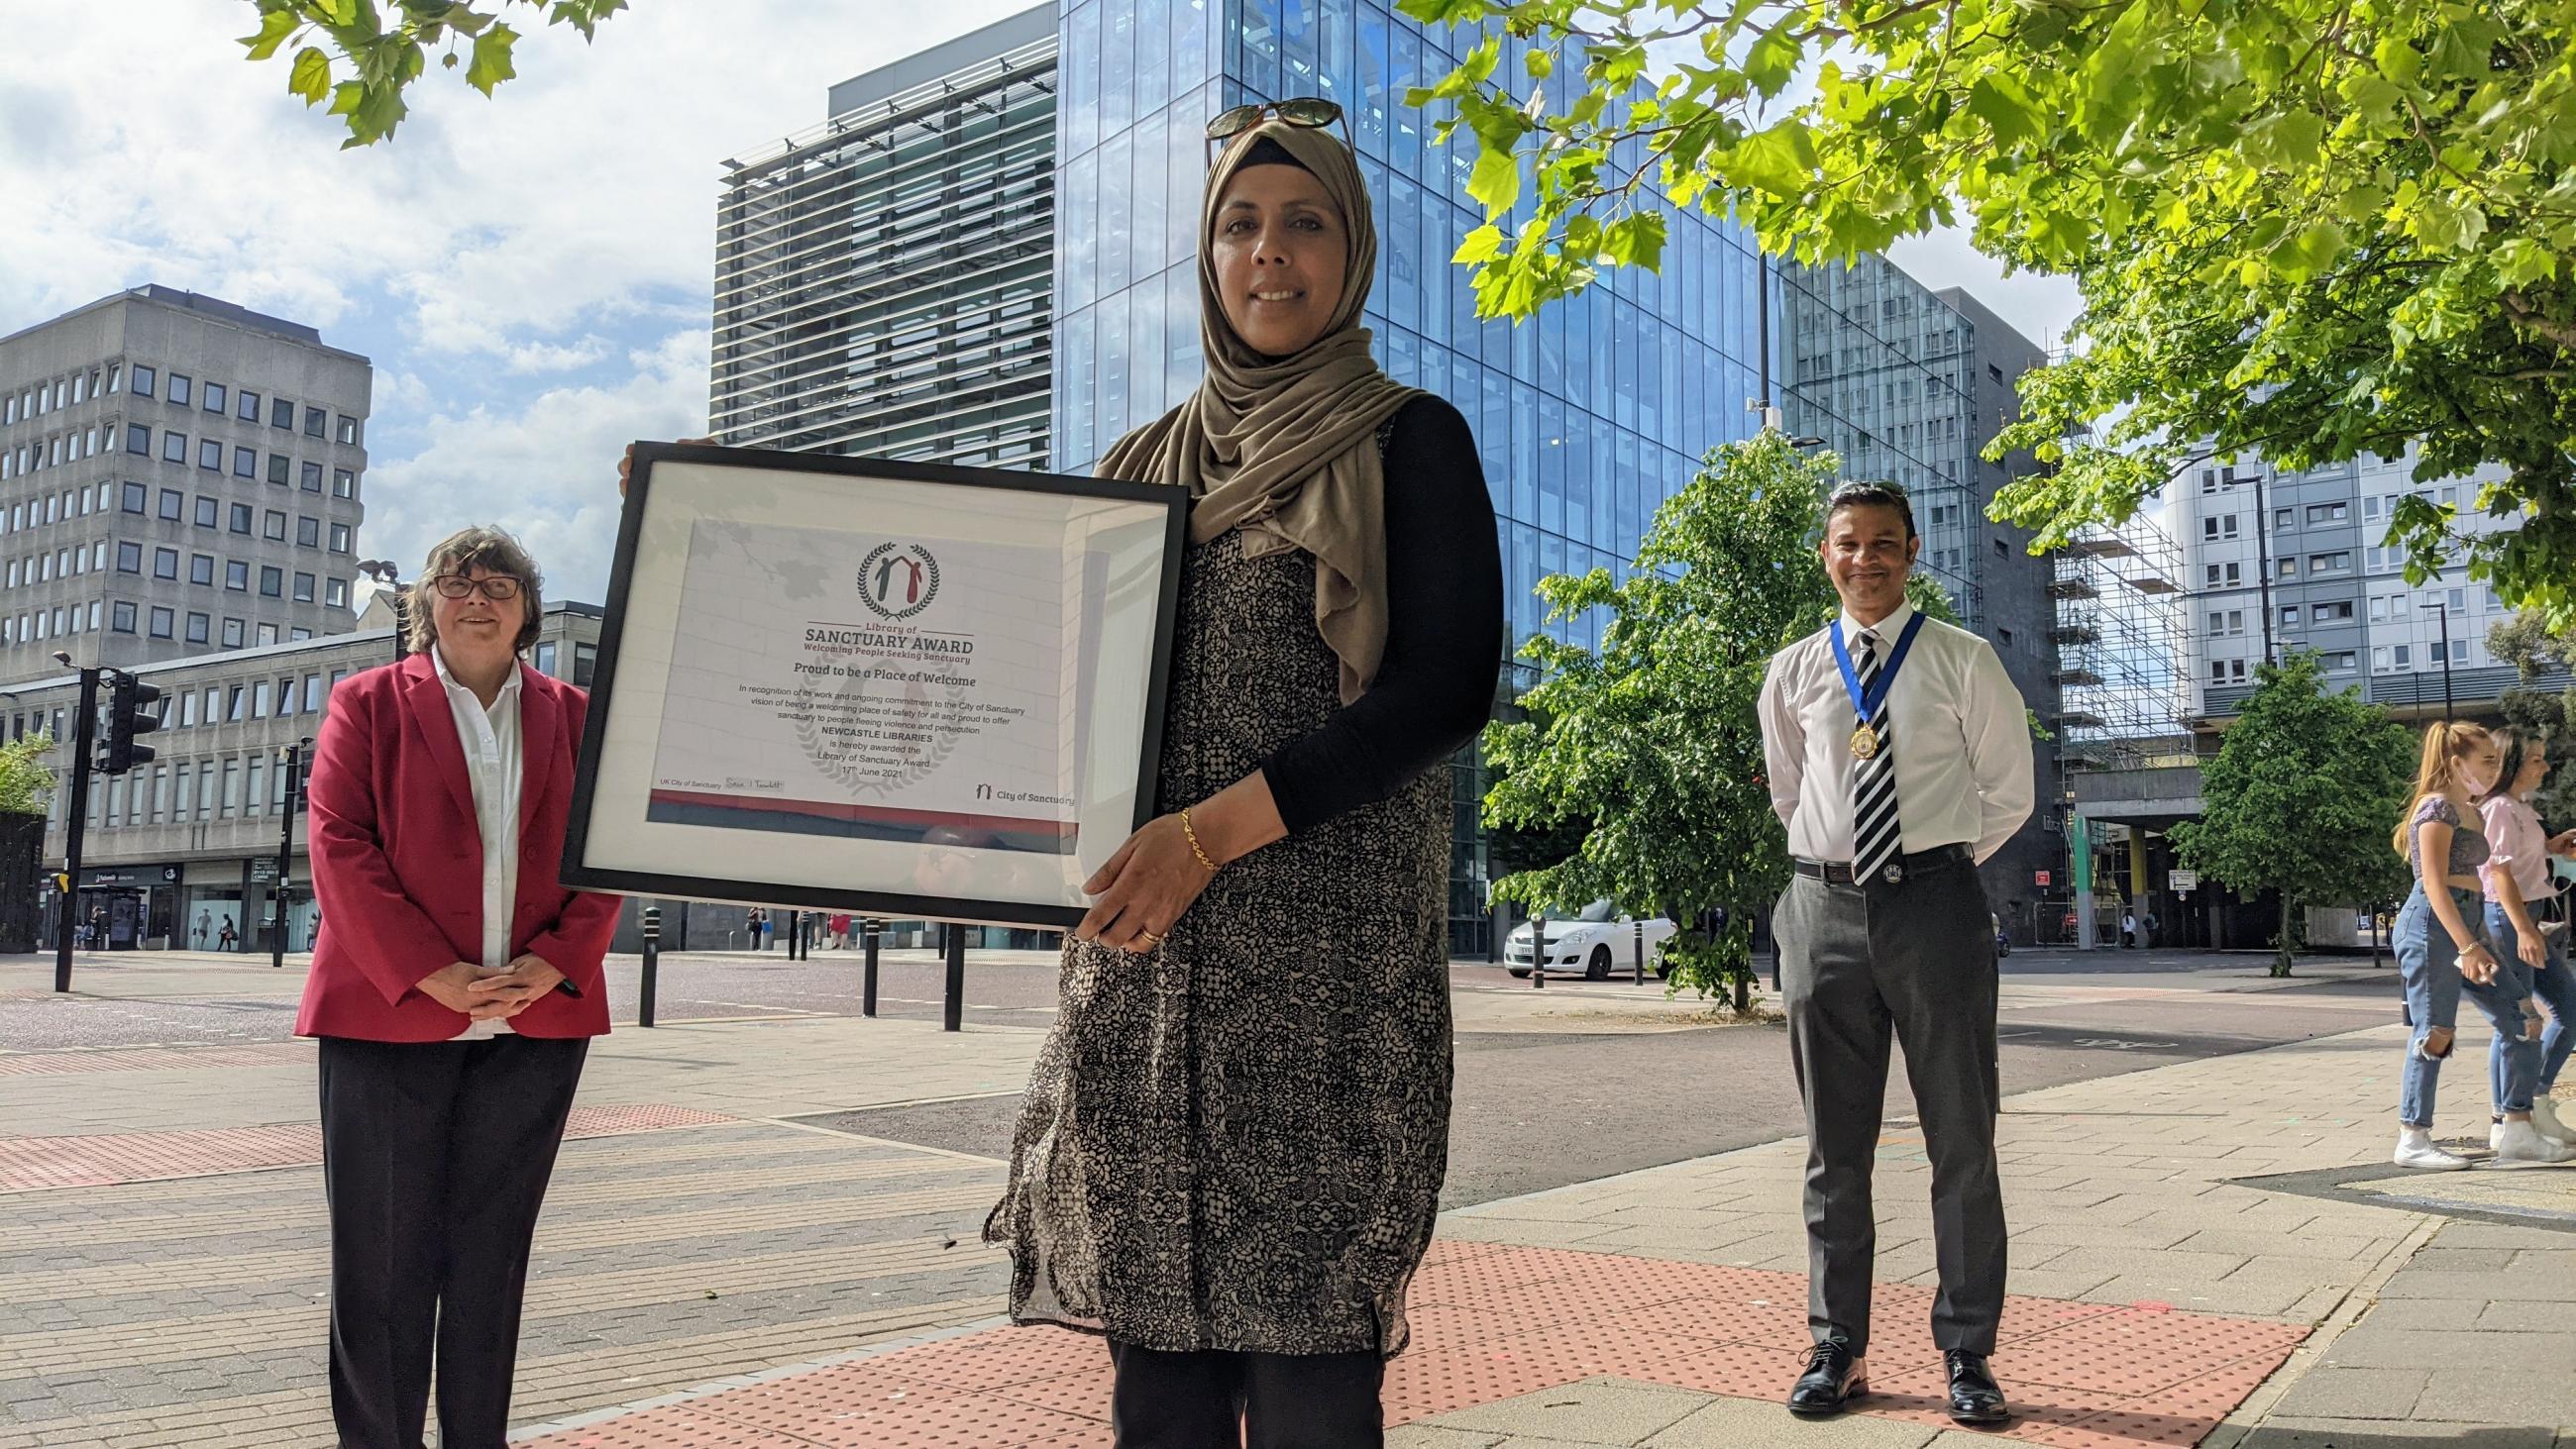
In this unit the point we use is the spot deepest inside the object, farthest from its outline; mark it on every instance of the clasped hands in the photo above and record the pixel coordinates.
(484, 994)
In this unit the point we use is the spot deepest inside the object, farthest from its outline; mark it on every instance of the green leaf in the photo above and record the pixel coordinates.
(1636, 240)
(1496, 179)
(311, 76)
(2309, 251)
(1481, 245)
(491, 64)
(2002, 103)
(1539, 63)
(1772, 61)
(1780, 159)
(274, 27)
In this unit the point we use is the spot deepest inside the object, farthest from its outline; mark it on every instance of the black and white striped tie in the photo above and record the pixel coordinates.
(1876, 831)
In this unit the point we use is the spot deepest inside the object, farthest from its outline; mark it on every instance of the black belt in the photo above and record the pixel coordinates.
(1836, 873)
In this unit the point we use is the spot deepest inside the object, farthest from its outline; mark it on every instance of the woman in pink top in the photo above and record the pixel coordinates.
(2520, 898)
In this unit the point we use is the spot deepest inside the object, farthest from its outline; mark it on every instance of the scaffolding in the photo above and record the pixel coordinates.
(2120, 635)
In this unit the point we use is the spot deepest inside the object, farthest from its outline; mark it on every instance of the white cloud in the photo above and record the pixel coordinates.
(526, 357)
(547, 471)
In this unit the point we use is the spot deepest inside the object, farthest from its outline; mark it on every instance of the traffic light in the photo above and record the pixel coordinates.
(129, 713)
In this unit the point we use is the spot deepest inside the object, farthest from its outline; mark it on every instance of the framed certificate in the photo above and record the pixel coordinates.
(899, 689)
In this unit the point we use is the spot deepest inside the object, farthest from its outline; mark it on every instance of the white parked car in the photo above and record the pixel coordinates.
(1596, 941)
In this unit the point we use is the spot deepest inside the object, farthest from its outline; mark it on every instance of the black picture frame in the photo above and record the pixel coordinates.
(579, 873)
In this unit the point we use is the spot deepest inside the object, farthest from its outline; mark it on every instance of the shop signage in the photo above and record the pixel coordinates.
(263, 868)
(2183, 881)
(130, 875)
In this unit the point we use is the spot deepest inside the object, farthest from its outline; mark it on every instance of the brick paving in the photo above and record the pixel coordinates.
(150, 1059)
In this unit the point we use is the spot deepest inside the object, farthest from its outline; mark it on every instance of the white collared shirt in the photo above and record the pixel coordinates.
(1964, 773)
(490, 738)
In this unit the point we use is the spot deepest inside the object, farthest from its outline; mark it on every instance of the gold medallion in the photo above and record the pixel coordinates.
(1864, 743)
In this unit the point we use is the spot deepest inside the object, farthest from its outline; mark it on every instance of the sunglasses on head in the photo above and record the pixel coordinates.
(1312, 112)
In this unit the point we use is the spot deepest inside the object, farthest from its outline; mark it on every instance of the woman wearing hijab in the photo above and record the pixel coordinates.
(1230, 1155)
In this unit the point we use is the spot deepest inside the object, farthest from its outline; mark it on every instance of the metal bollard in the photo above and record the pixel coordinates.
(1538, 954)
(652, 963)
(869, 931)
(1641, 952)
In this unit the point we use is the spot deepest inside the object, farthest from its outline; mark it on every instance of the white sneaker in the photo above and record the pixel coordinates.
(2415, 1149)
(2546, 1121)
(2516, 1145)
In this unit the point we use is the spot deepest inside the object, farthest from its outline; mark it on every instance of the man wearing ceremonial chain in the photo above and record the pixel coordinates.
(1900, 757)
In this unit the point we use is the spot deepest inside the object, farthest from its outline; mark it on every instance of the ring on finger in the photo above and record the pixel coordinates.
(1148, 940)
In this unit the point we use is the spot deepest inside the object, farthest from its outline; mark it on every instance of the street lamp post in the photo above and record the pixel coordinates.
(2442, 616)
(290, 759)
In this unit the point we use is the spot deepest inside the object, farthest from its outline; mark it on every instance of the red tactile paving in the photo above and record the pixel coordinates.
(153, 1059)
(34, 1164)
(1494, 1322)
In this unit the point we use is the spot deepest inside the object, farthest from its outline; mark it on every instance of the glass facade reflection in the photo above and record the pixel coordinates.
(1587, 417)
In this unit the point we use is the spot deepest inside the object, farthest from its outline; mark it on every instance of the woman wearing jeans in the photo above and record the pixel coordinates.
(2441, 952)
(2519, 890)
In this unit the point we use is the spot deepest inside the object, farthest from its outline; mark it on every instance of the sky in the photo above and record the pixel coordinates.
(529, 274)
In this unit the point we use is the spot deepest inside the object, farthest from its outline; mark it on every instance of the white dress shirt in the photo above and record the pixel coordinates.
(490, 738)
(1964, 774)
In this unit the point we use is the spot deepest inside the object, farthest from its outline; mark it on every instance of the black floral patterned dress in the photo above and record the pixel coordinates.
(1237, 1140)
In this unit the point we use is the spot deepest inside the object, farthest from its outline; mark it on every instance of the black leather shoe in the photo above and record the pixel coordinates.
(1974, 1396)
(1834, 1377)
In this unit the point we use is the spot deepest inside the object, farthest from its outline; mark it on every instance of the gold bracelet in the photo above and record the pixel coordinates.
(1195, 848)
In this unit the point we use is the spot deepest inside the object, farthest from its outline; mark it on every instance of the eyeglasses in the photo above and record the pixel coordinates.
(1312, 112)
(499, 588)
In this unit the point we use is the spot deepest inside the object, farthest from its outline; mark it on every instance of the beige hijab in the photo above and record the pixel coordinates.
(1286, 447)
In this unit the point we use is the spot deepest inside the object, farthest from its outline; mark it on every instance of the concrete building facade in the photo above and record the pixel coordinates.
(178, 475)
(883, 282)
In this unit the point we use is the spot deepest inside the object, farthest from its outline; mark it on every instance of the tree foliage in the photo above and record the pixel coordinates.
(26, 781)
(361, 55)
(2301, 798)
(2531, 704)
(1655, 740)
(2312, 228)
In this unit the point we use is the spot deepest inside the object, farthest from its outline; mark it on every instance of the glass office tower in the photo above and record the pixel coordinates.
(1587, 418)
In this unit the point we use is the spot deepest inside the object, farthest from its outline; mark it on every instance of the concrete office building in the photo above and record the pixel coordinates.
(1909, 385)
(177, 475)
(883, 281)
(179, 850)
(1587, 417)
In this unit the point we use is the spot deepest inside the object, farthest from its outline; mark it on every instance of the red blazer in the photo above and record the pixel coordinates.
(398, 864)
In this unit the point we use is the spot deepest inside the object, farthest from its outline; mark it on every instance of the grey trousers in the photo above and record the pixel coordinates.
(1919, 956)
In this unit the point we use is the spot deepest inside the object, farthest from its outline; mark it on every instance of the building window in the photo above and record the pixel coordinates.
(339, 538)
(2340, 612)
(174, 505)
(142, 386)
(210, 455)
(315, 419)
(278, 463)
(281, 414)
(2338, 659)
(209, 512)
(2287, 568)
(2335, 512)
(198, 633)
(233, 640)
(2282, 519)
(2330, 563)
(2405, 656)
(237, 575)
(178, 393)
(273, 526)
(245, 463)
(174, 447)
(344, 484)
(348, 429)
(133, 498)
(120, 615)
(272, 582)
(248, 411)
(214, 400)
(201, 568)
(2290, 614)
(308, 531)
(304, 588)
(138, 439)
(240, 519)
(165, 564)
(163, 618)
(129, 559)
(312, 477)
(335, 592)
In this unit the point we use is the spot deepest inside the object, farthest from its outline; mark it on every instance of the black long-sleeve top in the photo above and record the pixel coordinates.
(1444, 635)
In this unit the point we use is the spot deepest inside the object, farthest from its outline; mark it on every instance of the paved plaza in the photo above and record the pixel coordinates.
(2204, 1251)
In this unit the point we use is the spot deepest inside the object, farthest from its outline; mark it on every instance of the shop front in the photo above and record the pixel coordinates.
(128, 907)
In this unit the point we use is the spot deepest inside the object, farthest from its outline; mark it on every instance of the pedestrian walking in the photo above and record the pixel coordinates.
(1900, 757)
(2443, 953)
(2149, 939)
(455, 995)
(2128, 930)
(2522, 900)
(1229, 1158)
(227, 937)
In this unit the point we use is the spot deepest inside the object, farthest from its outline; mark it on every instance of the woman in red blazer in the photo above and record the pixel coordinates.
(455, 986)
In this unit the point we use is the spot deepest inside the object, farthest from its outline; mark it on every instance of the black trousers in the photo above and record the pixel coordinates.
(435, 1157)
(1916, 958)
(1215, 1399)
